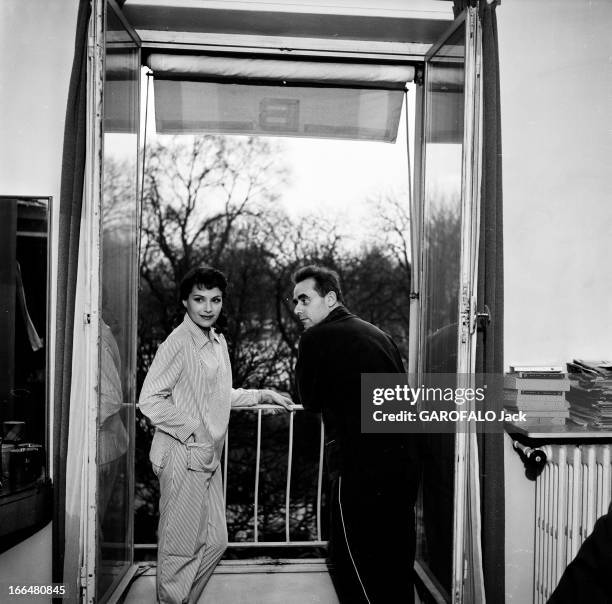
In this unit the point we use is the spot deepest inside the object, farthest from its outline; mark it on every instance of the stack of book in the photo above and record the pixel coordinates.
(539, 392)
(590, 395)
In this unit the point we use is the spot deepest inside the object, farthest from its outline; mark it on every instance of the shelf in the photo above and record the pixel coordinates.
(552, 432)
(23, 508)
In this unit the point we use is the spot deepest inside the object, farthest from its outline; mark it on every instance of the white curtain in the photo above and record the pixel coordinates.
(76, 458)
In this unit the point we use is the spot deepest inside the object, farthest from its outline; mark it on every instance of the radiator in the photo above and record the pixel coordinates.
(572, 491)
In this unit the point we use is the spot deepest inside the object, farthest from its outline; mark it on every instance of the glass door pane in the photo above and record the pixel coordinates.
(446, 288)
(119, 252)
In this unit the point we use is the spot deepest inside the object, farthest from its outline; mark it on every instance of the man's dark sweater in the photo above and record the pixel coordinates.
(374, 475)
(332, 356)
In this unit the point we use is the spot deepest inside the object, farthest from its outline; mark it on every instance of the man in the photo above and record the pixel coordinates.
(373, 478)
(187, 395)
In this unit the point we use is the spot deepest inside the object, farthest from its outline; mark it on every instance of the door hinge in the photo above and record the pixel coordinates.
(467, 314)
(458, 596)
(86, 318)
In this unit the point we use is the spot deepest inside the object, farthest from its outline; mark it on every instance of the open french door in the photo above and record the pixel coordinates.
(448, 547)
(112, 241)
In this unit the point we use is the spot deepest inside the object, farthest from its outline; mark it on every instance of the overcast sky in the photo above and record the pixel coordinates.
(330, 177)
(340, 175)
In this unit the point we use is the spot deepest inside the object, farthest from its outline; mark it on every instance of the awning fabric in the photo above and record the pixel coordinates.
(202, 94)
(198, 67)
(342, 113)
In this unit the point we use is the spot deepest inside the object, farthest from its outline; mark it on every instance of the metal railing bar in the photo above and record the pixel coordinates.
(277, 544)
(289, 467)
(320, 481)
(153, 546)
(275, 562)
(264, 406)
(257, 463)
(225, 456)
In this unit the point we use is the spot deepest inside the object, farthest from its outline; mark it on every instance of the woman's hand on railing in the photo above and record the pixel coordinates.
(280, 401)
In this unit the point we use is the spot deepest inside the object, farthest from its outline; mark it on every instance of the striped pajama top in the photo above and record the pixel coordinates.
(190, 383)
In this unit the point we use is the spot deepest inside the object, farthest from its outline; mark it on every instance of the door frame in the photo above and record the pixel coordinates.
(469, 247)
(466, 566)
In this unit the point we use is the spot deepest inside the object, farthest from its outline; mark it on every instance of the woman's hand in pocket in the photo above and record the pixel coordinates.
(200, 435)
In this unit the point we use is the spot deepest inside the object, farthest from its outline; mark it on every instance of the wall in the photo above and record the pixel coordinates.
(36, 50)
(556, 93)
(557, 144)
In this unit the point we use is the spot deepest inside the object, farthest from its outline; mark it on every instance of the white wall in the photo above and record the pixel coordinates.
(36, 50)
(37, 43)
(557, 144)
(556, 94)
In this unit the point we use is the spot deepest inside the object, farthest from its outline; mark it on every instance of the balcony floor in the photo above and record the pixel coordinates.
(253, 582)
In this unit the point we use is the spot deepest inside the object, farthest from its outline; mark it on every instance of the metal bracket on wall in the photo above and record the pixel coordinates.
(534, 459)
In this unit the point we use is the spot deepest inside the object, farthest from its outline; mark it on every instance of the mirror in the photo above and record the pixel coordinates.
(24, 355)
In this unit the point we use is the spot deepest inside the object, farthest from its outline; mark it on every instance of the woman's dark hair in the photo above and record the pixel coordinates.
(204, 277)
(326, 280)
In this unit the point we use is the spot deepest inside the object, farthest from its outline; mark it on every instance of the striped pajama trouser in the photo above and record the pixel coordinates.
(192, 531)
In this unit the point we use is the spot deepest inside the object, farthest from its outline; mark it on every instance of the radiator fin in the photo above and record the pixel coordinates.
(573, 490)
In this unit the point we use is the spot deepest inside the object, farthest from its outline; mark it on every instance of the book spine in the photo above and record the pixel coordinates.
(556, 421)
(541, 393)
(538, 375)
(530, 396)
(536, 368)
(547, 413)
(538, 406)
(535, 385)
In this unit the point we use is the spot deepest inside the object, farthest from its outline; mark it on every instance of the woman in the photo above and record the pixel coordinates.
(187, 395)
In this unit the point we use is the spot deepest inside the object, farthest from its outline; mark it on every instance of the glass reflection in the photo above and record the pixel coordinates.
(442, 241)
(117, 328)
(23, 349)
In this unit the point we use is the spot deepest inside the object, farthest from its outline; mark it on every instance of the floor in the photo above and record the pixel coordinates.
(252, 582)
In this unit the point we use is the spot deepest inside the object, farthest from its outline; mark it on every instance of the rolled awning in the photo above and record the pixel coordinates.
(207, 94)
(198, 67)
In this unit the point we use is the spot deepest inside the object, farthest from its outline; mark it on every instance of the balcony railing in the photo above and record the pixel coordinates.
(261, 410)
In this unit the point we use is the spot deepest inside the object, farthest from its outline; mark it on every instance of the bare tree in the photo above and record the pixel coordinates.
(196, 193)
(392, 227)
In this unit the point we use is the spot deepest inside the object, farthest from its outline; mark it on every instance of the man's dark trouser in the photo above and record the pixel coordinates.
(372, 537)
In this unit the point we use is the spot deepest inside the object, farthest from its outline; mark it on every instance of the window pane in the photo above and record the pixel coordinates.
(442, 241)
(117, 326)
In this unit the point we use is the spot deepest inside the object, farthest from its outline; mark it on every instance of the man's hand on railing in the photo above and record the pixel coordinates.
(270, 397)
